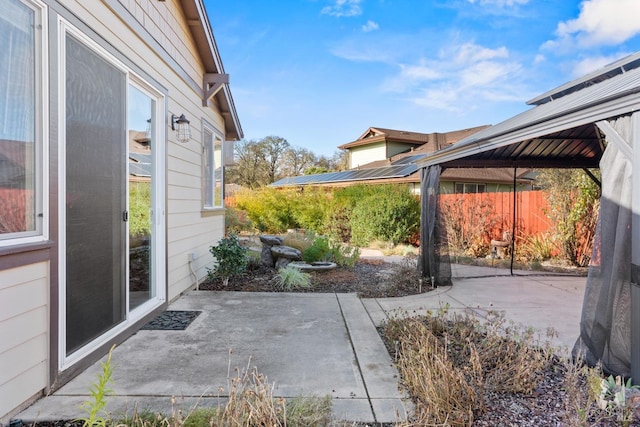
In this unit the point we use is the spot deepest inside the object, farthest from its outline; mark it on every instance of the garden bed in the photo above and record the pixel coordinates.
(368, 278)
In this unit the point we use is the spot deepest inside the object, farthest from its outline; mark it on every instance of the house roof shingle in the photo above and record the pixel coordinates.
(434, 141)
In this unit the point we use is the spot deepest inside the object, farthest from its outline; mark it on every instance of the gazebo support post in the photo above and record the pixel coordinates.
(635, 251)
(513, 225)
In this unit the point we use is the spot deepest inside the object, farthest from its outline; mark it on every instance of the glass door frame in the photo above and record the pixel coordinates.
(158, 186)
(158, 224)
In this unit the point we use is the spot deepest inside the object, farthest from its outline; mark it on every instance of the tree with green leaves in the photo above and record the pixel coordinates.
(573, 201)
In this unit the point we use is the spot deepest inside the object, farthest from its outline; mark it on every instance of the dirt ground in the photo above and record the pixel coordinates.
(368, 278)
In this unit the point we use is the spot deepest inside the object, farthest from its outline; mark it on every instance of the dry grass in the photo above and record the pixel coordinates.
(248, 402)
(582, 386)
(448, 362)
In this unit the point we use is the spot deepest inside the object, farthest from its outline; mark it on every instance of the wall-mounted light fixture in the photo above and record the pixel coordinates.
(181, 125)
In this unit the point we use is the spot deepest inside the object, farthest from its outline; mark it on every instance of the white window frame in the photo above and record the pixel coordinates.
(217, 139)
(41, 118)
(464, 187)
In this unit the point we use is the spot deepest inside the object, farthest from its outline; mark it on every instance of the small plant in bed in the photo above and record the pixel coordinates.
(231, 259)
(290, 279)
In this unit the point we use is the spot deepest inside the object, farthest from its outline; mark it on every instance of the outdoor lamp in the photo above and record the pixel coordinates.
(181, 125)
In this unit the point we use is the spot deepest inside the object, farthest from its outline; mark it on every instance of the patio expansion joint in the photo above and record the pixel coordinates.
(355, 355)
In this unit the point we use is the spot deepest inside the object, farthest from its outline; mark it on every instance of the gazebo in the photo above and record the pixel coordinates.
(586, 123)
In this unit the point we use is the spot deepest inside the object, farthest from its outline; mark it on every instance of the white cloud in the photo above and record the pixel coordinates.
(419, 72)
(469, 53)
(343, 8)
(486, 73)
(370, 26)
(539, 59)
(441, 98)
(601, 22)
(460, 78)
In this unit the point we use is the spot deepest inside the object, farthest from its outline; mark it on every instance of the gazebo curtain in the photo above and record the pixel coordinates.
(605, 327)
(434, 264)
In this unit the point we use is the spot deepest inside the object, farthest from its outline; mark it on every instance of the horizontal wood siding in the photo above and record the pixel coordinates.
(188, 231)
(24, 334)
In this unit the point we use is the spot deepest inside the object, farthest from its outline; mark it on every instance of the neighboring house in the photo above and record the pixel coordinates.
(93, 93)
(388, 156)
(378, 144)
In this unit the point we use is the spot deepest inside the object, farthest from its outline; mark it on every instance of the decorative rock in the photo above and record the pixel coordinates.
(286, 252)
(271, 240)
(267, 243)
(282, 263)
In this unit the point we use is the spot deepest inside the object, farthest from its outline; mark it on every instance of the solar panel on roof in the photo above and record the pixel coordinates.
(140, 169)
(140, 157)
(397, 171)
(408, 159)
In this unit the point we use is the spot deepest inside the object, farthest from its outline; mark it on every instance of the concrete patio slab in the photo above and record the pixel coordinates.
(541, 302)
(305, 344)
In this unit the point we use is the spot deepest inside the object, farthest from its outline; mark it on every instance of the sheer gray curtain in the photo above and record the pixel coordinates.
(434, 249)
(605, 334)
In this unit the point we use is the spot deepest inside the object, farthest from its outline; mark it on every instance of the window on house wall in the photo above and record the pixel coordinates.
(463, 188)
(21, 122)
(212, 169)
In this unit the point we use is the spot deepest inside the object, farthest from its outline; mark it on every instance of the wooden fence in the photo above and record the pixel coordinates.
(486, 216)
(15, 206)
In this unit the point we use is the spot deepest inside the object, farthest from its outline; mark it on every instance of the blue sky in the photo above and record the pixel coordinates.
(320, 72)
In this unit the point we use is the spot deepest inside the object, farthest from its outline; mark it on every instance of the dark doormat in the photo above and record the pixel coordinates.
(177, 320)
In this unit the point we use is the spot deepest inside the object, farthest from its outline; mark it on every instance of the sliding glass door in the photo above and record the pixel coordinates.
(112, 212)
(95, 214)
(142, 141)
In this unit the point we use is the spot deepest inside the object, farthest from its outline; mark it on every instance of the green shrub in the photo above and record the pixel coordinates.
(390, 213)
(140, 209)
(318, 251)
(309, 207)
(231, 259)
(269, 209)
(359, 213)
(331, 250)
(336, 222)
(345, 255)
(290, 279)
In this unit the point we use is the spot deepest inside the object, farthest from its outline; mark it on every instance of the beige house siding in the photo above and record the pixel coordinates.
(366, 154)
(177, 72)
(24, 334)
(188, 230)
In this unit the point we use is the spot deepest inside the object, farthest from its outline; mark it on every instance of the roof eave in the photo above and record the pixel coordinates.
(200, 27)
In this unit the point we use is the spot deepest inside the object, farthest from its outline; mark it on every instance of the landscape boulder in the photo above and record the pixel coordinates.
(283, 255)
(267, 243)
